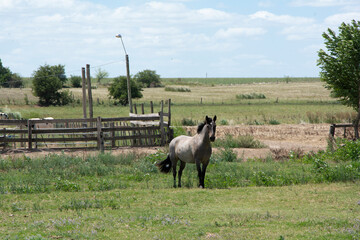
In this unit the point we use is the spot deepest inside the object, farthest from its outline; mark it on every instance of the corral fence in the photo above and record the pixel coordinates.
(347, 131)
(137, 130)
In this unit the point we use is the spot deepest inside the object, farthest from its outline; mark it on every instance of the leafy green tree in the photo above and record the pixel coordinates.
(340, 66)
(148, 78)
(76, 81)
(59, 71)
(9, 79)
(118, 90)
(101, 74)
(46, 85)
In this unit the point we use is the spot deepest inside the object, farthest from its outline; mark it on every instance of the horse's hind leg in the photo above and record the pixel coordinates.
(174, 172)
(182, 166)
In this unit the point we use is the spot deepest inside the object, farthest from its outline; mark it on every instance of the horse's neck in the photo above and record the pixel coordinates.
(203, 136)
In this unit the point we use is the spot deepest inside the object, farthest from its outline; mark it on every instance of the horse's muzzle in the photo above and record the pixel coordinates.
(212, 138)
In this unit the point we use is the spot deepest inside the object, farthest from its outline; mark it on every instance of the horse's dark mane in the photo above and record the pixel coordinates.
(200, 127)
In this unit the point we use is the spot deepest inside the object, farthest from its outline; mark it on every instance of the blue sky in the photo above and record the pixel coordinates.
(176, 38)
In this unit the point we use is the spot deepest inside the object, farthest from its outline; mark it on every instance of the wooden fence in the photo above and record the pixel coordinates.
(347, 131)
(94, 133)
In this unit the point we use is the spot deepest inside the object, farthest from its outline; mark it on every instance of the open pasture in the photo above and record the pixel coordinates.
(293, 102)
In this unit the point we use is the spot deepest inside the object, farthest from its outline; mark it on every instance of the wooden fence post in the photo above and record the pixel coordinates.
(162, 131)
(89, 91)
(170, 131)
(112, 125)
(100, 136)
(83, 91)
(29, 122)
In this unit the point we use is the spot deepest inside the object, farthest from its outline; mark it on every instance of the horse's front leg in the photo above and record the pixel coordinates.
(202, 183)
(198, 167)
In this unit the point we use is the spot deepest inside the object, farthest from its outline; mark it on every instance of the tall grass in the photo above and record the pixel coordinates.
(242, 141)
(59, 172)
(228, 81)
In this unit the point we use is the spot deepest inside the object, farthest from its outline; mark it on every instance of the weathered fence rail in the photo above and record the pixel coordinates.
(94, 133)
(347, 130)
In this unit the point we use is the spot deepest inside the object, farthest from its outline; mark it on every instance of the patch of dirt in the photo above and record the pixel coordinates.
(278, 138)
(285, 137)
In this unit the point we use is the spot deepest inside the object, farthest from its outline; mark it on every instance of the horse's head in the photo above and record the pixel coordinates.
(211, 126)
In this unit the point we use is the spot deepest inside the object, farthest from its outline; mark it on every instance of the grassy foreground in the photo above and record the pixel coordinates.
(125, 197)
(322, 211)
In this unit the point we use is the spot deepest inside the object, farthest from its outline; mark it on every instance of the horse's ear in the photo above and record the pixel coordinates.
(208, 120)
(214, 118)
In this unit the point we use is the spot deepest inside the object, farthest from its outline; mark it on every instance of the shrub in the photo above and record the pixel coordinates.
(76, 81)
(178, 131)
(188, 122)
(246, 141)
(223, 122)
(118, 90)
(250, 96)
(148, 78)
(177, 89)
(47, 81)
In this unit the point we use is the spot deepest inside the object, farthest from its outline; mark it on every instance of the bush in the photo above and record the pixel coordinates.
(188, 122)
(76, 81)
(251, 96)
(148, 78)
(246, 141)
(118, 90)
(177, 89)
(47, 81)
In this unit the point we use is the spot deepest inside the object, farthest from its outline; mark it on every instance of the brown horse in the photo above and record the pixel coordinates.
(196, 149)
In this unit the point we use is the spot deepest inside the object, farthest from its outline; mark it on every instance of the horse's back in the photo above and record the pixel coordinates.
(181, 147)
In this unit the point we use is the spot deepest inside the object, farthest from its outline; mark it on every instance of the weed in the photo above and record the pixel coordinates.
(251, 96)
(178, 131)
(223, 122)
(188, 122)
(246, 141)
(67, 186)
(177, 89)
(274, 122)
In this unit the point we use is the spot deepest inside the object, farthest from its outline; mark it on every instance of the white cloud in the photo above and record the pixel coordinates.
(265, 4)
(283, 19)
(312, 31)
(337, 19)
(322, 3)
(212, 14)
(236, 32)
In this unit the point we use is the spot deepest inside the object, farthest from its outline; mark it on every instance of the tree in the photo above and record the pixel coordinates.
(46, 85)
(148, 78)
(9, 79)
(340, 66)
(75, 81)
(59, 71)
(101, 74)
(118, 90)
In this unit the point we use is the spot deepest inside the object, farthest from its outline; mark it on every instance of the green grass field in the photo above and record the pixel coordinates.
(125, 197)
(110, 196)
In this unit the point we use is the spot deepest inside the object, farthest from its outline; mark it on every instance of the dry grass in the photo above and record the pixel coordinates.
(220, 93)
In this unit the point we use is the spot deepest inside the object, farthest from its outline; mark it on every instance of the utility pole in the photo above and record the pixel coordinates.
(127, 74)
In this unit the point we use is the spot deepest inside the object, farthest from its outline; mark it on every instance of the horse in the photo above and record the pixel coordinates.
(196, 149)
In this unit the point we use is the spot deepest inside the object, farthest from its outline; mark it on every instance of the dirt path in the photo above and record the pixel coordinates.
(278, 138)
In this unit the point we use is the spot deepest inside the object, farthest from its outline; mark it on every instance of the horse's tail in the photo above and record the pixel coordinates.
(165, 166)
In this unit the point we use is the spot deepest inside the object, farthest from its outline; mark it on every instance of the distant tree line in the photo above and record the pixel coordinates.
(48, 83)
